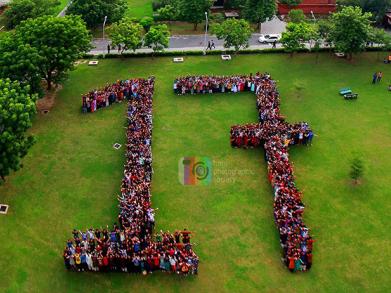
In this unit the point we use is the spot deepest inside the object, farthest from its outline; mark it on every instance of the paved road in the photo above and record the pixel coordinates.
(182, 43)
(197, 42)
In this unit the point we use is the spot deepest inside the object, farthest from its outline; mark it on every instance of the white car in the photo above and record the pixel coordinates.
(271, 38)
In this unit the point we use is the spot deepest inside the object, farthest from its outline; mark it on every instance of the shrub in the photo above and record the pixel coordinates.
(146, 22)
(356, 170)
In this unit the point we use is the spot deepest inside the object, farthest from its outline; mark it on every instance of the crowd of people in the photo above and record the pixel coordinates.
(111, 93)
(131, 245)
(276, 135)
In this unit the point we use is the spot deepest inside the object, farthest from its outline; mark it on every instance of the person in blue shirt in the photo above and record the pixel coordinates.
(83, 259)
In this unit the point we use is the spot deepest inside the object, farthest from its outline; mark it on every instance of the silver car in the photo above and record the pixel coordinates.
(270, 38)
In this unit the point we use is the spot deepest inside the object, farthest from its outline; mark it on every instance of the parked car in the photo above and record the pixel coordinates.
(271, 38)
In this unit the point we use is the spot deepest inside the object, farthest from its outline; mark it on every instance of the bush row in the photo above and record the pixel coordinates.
(215, 52)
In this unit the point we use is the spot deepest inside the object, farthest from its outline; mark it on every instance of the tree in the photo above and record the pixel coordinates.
(193, 10)
(234, 32)
(17, 108)
(381, 38)
(19, 61)
(356, 170)
(296, 16)
(127, 34)
(258, 11)
(350, 30)
(228, 4)
(19, 10)
(93, 12)
(378, 8)
(324, 27)
(60, 41)
(167, 12)
(146, 22)
(157, 38)
(296, 35)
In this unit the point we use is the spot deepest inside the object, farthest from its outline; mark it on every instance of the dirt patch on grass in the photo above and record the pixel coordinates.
(45, 104)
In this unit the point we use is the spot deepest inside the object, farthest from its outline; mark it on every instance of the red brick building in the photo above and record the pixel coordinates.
(308, 6)
(316, 6)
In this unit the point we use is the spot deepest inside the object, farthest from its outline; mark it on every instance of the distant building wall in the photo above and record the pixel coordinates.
(316, 6)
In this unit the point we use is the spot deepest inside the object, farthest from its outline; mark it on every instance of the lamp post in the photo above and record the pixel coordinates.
(103, 33)
(206, 30)
(313, 16)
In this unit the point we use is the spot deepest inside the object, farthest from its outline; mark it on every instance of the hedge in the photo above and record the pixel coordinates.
(214, 52)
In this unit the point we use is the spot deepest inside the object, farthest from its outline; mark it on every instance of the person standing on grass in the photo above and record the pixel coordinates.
(83, 259)
(89, 262)
(374, 78)
(67, 259)
(379, 76)
(78, 262)
(291, 265)
(108, 48)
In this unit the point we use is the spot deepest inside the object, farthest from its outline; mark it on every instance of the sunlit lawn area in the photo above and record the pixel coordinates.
(60, 7)
(139, 8)
(72, 174)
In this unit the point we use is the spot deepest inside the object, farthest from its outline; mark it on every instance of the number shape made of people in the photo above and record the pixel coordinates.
(129, 245)
(275, 135)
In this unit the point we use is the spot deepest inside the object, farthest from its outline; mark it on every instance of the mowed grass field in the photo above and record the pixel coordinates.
(72, 174)
(139, 8)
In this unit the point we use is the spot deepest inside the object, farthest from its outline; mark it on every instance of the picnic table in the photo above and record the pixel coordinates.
(350, 96)
(345, 91)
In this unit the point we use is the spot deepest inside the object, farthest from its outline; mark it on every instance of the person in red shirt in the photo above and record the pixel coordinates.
(291, 265)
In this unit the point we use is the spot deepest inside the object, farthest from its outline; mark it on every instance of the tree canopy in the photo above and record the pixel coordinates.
(378, 8)
(296, 36)
(193, 10)
(380, 37)
(296, 15)
(127, 34)
(146, 22)
(234, 32)
(59, 41)
(93, 12)
(19, 61)
(167, 12)
(17, 108)
(350, 30)
(157, 37)
(258, 11)
(19, 10)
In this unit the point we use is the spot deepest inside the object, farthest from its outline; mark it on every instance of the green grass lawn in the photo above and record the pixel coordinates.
(57, 10)
(61, 6)
(70, 178)
(139, 8)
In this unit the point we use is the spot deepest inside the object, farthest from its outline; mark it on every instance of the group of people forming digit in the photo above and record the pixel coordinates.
(275, 135)
(111, 93)
(131, 245)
